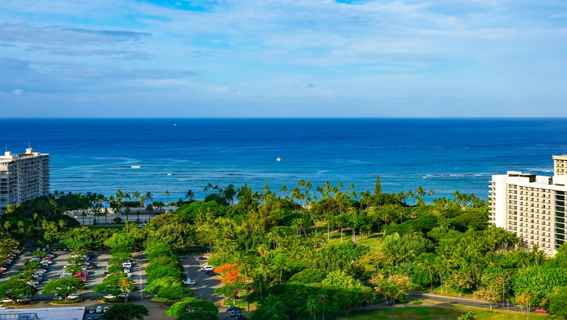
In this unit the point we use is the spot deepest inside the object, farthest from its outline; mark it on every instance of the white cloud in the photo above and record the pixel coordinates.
(18, 92)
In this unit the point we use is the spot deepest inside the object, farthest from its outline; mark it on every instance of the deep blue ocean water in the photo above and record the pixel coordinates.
(179, 154)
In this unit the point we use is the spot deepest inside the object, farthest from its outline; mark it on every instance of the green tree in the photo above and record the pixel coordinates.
(378, 186)
(558, 302)
(64, 286)
(189, 305)
(15, 289)
(127, 311)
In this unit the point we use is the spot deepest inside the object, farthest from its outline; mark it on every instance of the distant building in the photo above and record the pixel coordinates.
(23, 177)
(531, 206)
(63, 313)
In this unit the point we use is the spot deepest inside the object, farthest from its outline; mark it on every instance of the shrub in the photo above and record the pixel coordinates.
(468, 316)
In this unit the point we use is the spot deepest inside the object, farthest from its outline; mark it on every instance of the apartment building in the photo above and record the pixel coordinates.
(531, 206)
(560, 165)
(23, 177)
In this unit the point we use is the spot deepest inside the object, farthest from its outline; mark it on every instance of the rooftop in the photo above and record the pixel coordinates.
(67, 313)
(9, 156)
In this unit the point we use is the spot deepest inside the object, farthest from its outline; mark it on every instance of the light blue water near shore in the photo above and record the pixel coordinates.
(442, 154)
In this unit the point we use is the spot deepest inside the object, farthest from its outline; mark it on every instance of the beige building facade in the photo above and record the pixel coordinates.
(531, 206)
(23, 177)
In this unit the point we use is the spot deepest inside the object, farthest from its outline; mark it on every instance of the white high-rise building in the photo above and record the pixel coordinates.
(23, 177)
(531, 206)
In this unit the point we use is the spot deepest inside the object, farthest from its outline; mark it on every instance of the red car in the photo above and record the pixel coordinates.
(541, 311)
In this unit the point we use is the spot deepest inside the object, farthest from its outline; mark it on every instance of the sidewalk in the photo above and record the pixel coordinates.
(464, 301)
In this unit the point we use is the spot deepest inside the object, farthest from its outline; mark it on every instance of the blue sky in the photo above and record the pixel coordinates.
(283, 58)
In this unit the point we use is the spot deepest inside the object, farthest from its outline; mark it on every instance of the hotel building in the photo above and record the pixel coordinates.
(23, 177)
(533, 207)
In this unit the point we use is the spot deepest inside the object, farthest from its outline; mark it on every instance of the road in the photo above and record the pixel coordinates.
(205, 287)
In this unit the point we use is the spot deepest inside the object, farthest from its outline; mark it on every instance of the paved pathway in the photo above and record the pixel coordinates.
(464, 301)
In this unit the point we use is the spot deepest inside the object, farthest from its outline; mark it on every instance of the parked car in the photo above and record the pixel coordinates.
(230, 308)
(99, 309)
(2, 307)
(123, 295)
(189, 281)
(7, 300)
(92, 310)
(203, 258)
(207, 268)
(75, 295)
(23, 299)
(127, 264)
(538, 310)
(105, 309)
(235, 313)
(109, 296)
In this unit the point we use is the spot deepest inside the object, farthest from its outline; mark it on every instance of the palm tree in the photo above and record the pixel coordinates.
(125, 286)
(149, 196)
(166, 193)
(189, 194)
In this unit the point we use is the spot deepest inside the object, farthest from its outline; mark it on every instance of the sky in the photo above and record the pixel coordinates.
(283, 58)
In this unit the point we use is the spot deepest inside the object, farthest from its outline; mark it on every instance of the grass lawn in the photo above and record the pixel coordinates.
(437, 313)
(106, 227)
(449, 292)
(371, 241)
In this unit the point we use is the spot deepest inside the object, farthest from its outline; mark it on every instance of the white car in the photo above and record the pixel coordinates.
(123, 295)
(2, 307)
(189, 281)
(127, 264)
(99, 309)
(6, 300)
(207, 268)
(24, 299)
(110, 296)
(74, 296)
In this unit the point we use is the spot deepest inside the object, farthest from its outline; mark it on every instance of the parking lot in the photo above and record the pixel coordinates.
(88, 297)
(204, 288)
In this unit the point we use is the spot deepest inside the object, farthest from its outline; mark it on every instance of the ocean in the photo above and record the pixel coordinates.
(157, 155)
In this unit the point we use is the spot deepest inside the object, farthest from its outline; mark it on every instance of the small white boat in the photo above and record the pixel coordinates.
(136, 167)
(169, 174)
(279, 159)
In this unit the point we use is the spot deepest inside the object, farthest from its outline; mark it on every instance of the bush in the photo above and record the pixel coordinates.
(417, 301)
(118, 220)
(175, 292)
(468, 316)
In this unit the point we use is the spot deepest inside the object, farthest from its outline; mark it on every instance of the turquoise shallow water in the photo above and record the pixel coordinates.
(178, 154)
